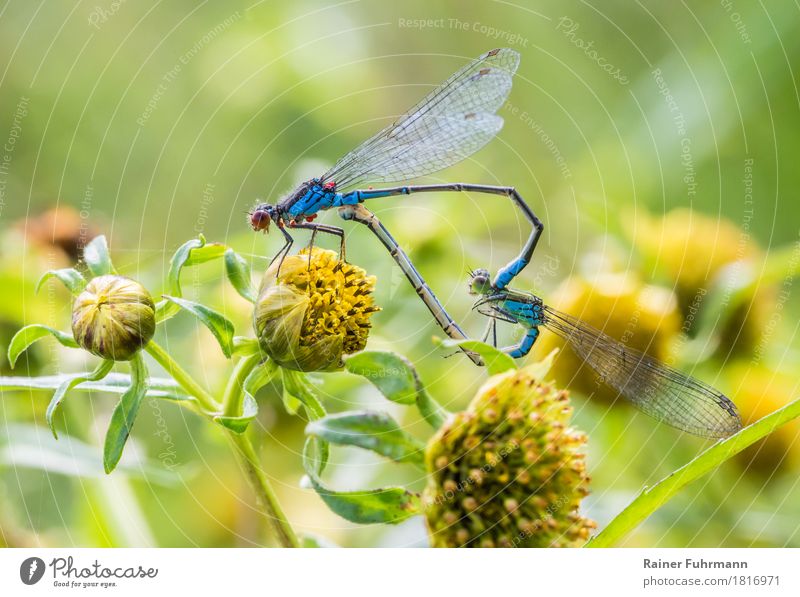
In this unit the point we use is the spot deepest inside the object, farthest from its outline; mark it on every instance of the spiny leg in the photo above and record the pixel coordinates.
(359, 213)
(507, 273)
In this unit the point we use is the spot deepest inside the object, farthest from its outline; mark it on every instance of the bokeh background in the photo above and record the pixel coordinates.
(657, 141)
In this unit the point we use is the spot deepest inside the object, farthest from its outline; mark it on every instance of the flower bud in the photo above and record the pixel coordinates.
(313, 310)
(113, 317)
(514, 501)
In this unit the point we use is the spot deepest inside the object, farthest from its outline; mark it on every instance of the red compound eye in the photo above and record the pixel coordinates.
(259, 220)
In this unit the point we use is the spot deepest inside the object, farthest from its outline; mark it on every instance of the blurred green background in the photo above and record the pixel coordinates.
(657, 141)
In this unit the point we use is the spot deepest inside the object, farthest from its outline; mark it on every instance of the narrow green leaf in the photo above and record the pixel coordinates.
(298, 390)
(30, 334)
(372, 431)
(190, 253)
(69, 277)
(496, 360)
(238, 271)
(238, 424)
(99, 373)
(652, 498)
(114, 383)
(389, 505)
(97, 257)
(392, 374)
(217, 323)
(124, 415)
(204, 254)
(298, 387)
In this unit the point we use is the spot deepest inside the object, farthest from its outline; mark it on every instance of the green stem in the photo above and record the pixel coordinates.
(163, 358)
(234, 391)
(652, 498)
(244, 449)
(260, 483)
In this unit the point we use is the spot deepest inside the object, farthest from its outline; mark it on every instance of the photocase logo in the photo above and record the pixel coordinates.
(31, 571)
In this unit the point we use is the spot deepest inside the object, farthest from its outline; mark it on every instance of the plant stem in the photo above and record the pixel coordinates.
(163, 358)
(234, 391)
(652, 498)
(264, 493)
(244, 449)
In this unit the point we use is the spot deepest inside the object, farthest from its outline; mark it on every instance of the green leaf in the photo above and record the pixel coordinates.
(652, 498)
(496, 360)
(69, 277)
(372, 431)
(255, 380)
(32, 447)
(99, 373)
(192, 252)
(238, 271)
(114, 383)
(218, 324)
(238, 424)
(124, 415)
(97, 257)
(397, 380)
(392, 374)
(30, 334)
(299, 388)
(389, 505)
(243, 346)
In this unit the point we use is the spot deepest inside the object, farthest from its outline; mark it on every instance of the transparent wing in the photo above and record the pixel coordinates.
(654, 388)
(451, 123)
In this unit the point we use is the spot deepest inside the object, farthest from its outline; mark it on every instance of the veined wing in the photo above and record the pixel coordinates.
(654, 388)
(451, 123)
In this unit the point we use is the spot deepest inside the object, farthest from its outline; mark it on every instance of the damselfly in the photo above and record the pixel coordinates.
(655, 389)
(451, 123)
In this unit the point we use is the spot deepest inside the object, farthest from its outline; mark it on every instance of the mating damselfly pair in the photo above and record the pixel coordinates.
(451, 123)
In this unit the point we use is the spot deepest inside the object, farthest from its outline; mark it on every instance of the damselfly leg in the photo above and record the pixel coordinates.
(359, 213)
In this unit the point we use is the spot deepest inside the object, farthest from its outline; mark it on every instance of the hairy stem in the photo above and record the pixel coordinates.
(265, 495)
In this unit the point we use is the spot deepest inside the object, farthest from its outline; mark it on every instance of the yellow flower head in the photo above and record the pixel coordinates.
(508, 472)
(313, 310)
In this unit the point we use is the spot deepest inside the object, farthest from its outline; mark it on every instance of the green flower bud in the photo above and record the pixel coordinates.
(313, 310)
(113, 318)
(508, 472)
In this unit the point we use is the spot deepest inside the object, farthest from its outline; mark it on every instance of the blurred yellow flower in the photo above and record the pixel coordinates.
(691, 250)
(640, 316)
(316, 309)
(758, 391)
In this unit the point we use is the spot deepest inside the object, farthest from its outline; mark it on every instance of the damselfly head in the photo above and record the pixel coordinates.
(480, 282)
(261, 216)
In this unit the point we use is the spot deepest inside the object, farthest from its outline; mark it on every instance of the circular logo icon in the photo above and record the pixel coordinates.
(31, 571)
